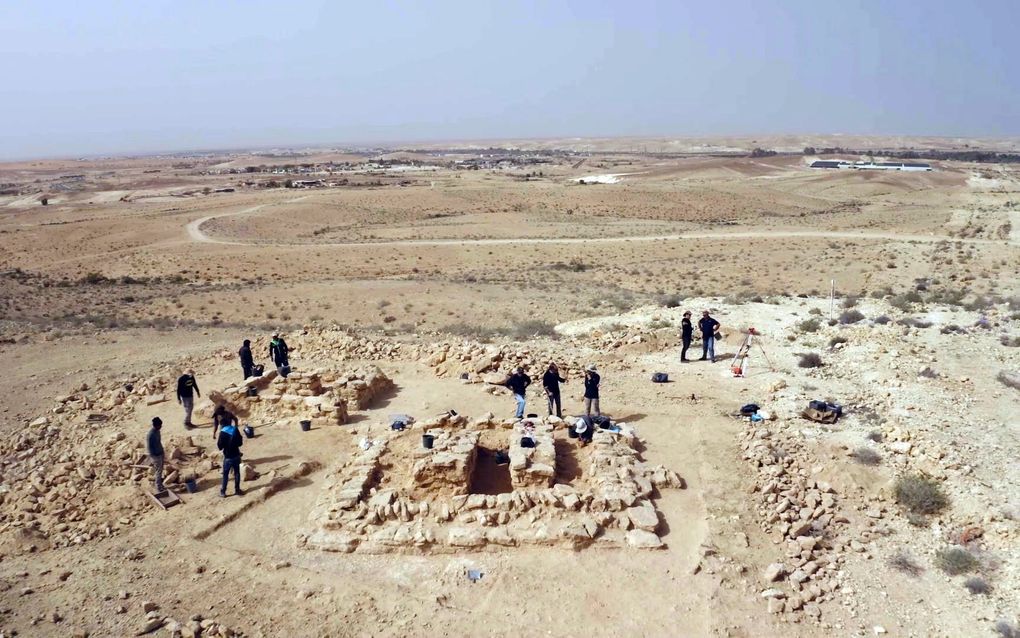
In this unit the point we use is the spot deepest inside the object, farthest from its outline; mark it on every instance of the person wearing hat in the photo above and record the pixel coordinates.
(154, 446)
(709, 327)
(591, 390)
(551, 381)
(686, 333)
(518, 384)
(585, 430)
(279, 353)
(187, 388)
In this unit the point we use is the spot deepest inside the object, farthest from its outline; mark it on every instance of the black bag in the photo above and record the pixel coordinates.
(660, 377)
(825, 406)
(749, 409)
(602, 421)
(284, 370)
(527, 441)
(257, 371)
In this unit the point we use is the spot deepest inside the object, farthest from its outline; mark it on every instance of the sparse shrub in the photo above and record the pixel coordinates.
(814, 311)
(849, 302)
(928, 373)
(1010, 342)
(531, 328)
(809, 325)
(882, 320)
(977, 585)
(866, 456)
(920, 495)
(1009, 379)
(903, 562)
(955, 561)
(670, 301)
(851, 316)
(1006, 630)
(93, 278)
(952, 329)
(875, 436)
(835, 341)
(914, 322)
(810, 360)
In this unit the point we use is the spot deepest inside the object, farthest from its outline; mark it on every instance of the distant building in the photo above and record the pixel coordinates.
(872, 166)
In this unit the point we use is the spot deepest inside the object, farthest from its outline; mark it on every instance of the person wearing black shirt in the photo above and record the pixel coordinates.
(686, 333)
(518, 384)
(279, 352)
(154, 446)
(708, 327)
(247, 361)
(551, 381)
(230, 443)
(187, 388)
(591, 390)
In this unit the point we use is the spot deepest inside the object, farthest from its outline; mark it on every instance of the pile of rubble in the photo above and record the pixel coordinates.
(398, 496)
(803, 515)
(56, 480)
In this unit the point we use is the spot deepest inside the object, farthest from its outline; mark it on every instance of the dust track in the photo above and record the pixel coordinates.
(196, 233)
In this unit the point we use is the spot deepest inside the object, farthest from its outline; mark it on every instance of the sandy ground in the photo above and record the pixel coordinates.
(115, 281)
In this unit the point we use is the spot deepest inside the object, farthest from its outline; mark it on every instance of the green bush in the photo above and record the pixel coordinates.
(955, 561)
(920, 495)
(809, 325)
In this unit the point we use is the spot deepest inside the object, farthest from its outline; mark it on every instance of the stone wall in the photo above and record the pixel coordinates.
(533, 467)
(447, 467)
(612, 507)
(321, 396)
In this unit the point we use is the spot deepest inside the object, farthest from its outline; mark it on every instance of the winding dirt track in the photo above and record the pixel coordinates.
(196, 233)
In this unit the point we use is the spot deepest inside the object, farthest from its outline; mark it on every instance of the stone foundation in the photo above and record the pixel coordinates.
(320, 396)
(429, 509)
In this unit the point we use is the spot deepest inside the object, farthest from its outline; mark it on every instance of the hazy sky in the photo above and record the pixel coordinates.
(86, 77)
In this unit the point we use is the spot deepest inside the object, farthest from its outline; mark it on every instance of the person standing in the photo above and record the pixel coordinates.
(551, 381)
(187, 388)
(154, 445)
(230, 443)
(247, 361)
(591, 390)
(279, 353)
(518, 384)
(686, 333)
(708, 327)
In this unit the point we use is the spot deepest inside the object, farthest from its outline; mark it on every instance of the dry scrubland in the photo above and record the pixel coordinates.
(901, 518)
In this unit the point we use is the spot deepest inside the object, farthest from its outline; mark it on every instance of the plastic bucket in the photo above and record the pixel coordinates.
(427, 440)
(191, 485)
(571, 432)
(306, 425)
(249, 431)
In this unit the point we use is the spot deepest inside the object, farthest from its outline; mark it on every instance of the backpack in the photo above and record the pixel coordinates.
(660, 377)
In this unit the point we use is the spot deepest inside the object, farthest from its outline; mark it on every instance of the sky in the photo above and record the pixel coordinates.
(103, 77)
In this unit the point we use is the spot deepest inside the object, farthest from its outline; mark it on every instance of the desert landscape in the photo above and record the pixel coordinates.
(408, 281)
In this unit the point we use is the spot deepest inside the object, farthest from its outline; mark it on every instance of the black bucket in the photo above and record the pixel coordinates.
(427, 440)
(571, 432)
(306, 425)
(249, 431)
(191, 485)
(252, 391)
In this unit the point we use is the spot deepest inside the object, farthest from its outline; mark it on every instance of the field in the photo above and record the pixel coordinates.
(446, 263)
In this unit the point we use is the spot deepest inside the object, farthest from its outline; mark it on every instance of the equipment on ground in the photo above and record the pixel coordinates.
(165, 499)
(823, 412)
(740, 360)
(660, 377)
